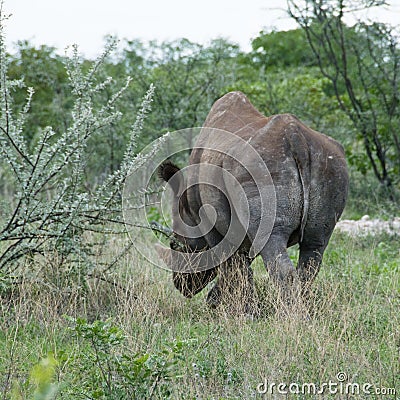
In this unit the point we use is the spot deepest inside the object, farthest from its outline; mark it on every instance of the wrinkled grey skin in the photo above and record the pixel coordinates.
(310, 177)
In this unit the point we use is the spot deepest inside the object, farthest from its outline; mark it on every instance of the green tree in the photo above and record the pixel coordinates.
(188, 76)
(282, 49)
(362, 63)
(40, 67)
(282, 76)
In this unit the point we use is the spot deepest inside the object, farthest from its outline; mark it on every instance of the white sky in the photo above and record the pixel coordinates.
(60, 23)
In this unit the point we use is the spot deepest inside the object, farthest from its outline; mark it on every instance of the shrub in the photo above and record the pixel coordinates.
(108, 370)
(51, 208)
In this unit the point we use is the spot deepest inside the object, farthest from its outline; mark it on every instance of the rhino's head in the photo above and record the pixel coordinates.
(188, 234)
(184, 225)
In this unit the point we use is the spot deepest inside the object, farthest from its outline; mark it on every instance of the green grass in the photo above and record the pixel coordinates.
(368, 197)
(148, 341)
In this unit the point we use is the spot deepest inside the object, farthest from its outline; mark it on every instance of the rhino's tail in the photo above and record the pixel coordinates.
(301, 154)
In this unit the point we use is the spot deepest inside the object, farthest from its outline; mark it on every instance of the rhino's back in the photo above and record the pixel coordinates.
(234, 113)
(275, 138)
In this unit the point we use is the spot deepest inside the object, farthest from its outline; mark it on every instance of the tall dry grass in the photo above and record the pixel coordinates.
(353, 326)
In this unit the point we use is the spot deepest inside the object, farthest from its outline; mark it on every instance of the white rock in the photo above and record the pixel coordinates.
(366, 226)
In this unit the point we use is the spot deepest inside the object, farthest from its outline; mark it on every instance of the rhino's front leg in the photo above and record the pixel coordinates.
(285, 276)
(235, 287)
(214, 296)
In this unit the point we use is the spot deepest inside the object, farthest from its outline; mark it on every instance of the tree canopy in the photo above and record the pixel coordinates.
(340, 79)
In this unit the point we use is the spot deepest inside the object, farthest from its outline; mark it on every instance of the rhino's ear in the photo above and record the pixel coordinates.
(166, 171)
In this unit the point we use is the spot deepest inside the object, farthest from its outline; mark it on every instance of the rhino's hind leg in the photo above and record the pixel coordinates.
(310, 259)
(315, 239)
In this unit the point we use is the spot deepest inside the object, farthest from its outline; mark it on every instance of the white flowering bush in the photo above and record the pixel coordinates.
(47, 204)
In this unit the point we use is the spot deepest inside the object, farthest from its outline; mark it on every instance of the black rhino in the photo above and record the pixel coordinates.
(310, 181)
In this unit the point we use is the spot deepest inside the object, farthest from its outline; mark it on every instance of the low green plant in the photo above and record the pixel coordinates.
(42, 377)
(109, 370)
